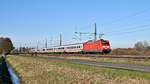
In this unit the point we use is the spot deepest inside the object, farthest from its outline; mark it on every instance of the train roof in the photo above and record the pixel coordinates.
(92, 41)
(67, 45)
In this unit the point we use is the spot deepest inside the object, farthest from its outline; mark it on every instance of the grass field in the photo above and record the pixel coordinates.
(37, 70)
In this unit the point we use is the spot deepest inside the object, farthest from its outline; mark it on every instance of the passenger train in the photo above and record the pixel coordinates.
(98, 46)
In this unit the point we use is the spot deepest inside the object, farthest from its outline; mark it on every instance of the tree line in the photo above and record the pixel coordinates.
(140, 48)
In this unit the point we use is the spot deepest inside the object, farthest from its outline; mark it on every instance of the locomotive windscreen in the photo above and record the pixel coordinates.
(104, 42)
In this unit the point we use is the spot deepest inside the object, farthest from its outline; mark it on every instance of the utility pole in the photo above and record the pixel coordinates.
(46, 43)
(95, 33)
(37, 47)
(60, 40)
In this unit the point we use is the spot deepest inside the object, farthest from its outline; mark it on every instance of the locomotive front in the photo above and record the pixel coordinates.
(99, 46)
(105, 46)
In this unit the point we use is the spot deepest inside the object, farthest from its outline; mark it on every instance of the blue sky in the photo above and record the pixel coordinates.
(28, 22)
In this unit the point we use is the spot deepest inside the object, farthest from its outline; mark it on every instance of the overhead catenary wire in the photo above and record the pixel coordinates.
(123, 26)
(127, 17)
(128, 29)
(129, 32)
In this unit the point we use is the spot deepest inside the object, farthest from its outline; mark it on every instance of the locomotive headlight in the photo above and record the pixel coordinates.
(108, 46)
(104, 46)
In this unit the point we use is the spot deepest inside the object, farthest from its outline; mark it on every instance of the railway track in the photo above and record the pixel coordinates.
(135, 67)
(132, 67)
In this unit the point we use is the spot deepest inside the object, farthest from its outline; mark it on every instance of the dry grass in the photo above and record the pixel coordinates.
(34, 70)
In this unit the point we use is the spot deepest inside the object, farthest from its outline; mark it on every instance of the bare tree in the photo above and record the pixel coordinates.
(142, 47)
(139, 46)
(145, 44)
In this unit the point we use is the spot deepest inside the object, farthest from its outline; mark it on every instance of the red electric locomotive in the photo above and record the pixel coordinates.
(97, 46)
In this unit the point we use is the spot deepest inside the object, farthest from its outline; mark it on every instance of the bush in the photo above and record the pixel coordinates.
(5, 46)
(125, 51)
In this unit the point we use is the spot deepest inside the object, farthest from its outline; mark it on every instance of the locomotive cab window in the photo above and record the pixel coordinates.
(105, 43)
